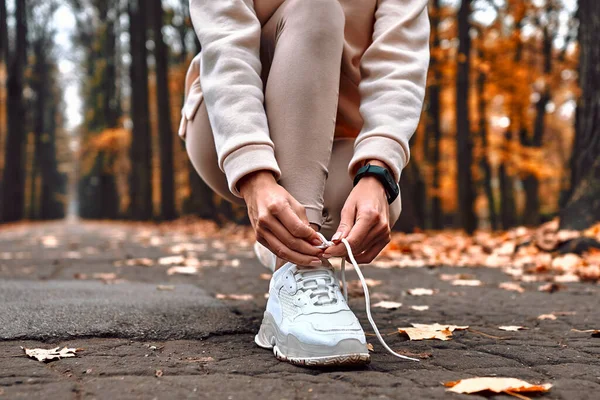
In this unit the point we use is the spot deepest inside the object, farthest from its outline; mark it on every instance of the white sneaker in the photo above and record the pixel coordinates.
(308, 322)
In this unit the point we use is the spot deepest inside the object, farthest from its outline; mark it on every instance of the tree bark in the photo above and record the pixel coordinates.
(483, 133)
(141, 147)
(3, 67)
(582, 208)
(167, 176)
(435, 128)
(466, 195)
(13, 190)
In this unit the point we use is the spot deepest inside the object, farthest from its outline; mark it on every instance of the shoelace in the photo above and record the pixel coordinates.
(326, 244)
(320, 284)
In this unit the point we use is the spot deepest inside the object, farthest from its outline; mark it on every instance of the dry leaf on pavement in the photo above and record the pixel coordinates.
(595, 332)
(420, 308)
(370, 347)
(512, 328)
(433, 331)
(239, 297)
(49, 242)
(390, 305)
(512, 286)
(496, 385)
(421, 292)
(50, 354)
(172, 260)
(182, 270)
(551, 317)
(550, 287)
(165, 287)
(466, 282)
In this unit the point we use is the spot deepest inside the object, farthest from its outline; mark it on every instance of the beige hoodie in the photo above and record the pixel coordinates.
(382, 85)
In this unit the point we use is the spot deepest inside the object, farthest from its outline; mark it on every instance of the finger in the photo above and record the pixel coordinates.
(294, 224)
(285, 253)
(346, 223)
(372, 251)
(299, 245)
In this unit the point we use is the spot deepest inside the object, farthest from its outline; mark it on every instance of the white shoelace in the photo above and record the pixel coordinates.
(326, 244)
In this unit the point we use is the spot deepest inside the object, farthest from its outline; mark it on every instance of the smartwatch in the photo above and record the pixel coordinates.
(392, 190)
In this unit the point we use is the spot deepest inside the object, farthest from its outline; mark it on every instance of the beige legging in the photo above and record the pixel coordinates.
(301, 79)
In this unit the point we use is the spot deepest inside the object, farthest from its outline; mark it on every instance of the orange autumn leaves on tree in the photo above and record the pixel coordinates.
(506, 51)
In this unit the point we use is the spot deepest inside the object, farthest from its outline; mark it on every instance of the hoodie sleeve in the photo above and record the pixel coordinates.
(392, 88)
(229, 32)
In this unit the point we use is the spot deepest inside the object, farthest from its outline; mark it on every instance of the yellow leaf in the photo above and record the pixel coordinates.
(496, 385)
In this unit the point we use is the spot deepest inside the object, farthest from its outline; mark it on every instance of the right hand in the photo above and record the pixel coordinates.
(279, 221)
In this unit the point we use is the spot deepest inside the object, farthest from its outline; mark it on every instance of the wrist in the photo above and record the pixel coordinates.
(250, 182)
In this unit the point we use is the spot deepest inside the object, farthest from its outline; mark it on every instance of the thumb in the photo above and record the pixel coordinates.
(348, 217)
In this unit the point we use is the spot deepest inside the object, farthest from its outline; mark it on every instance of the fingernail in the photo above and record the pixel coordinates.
(337, 236)
(316, 263)
(316, 242)
(327, 256)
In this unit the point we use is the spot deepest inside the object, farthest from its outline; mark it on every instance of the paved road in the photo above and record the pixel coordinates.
(59, 285)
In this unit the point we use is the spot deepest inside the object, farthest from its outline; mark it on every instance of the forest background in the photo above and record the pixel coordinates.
(91, 93)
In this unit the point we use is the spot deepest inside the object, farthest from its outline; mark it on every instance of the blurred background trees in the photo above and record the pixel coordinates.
(90, 108)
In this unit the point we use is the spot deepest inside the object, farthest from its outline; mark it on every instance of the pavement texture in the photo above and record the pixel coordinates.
(149, 333)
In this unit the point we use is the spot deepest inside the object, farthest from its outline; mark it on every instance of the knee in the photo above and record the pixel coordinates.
(319, 21)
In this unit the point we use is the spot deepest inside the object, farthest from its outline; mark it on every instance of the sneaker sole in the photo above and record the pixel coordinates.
(348, 352)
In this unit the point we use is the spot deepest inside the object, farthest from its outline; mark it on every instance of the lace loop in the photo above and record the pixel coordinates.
(326, 244)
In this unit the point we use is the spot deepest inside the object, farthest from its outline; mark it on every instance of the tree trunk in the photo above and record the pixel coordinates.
(141, 146)
(13, 190)
(435, 128)
(3, 70)
(483, 133)
(50, 207)
(165, 134)
(40, 82)
(466, 195)
(582, 208)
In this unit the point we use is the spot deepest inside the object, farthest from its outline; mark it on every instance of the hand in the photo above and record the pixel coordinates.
(279, 221)
(364, 222)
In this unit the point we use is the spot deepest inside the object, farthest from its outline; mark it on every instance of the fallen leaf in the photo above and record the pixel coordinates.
(551, 287)
(437, 326)
(467, 282)
(50, 354)
(183, 270)
(567, 263)
(433, 331)
(106, 277)
(49, 242)
(453, 277)
(172, 260)
(512, 286)
(551, 317)
(421, 292)
(390, 305)
(567, 278)
(512, 328)
(370, 347)
(165, 287)
(239, 297)
(420, 308)
(426, 334)
(595, 332)
(496, 385)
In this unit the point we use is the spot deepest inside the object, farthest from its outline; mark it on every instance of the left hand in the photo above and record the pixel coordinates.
(364, 222)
